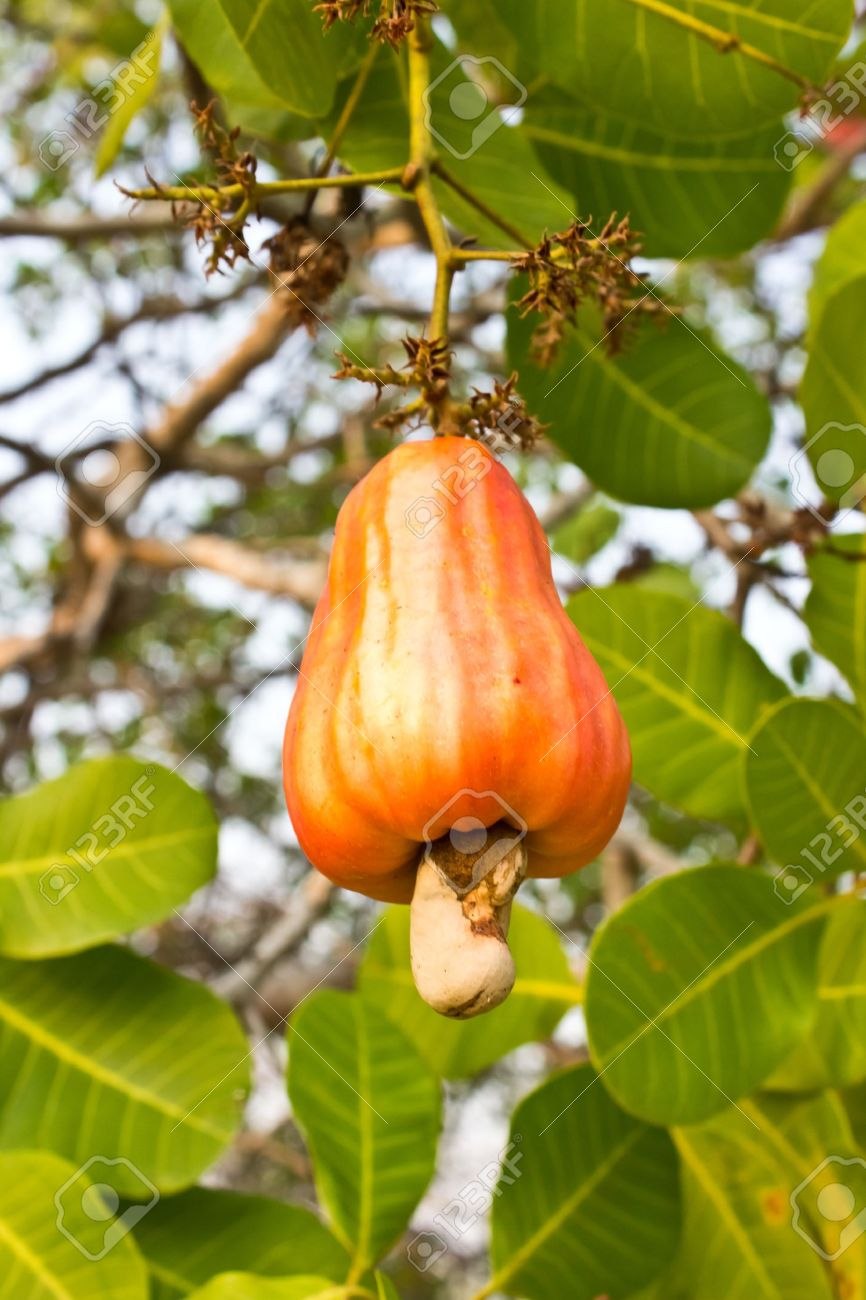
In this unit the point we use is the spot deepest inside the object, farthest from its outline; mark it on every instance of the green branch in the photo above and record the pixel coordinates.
(418, 175)
(214, 194)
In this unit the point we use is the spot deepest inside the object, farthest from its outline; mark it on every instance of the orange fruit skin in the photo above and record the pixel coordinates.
(442, 673)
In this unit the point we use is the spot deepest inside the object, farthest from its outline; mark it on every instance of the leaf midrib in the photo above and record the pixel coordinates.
(189, 834)
(666, 162)
(771, 21)
(714, 1194)
(571, 1203)
(32, 1263)
(95, 1070)
(826, 805)
(667, 417)
(711, 977)
(669, 693)
(365, 1142)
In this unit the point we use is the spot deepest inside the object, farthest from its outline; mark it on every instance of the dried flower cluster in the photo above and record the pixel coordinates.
(223, 229)
(501, 419)
(430, 364)
(219, 222)
(575, 266)
(307, 269)
(395, 19)
(428, 368)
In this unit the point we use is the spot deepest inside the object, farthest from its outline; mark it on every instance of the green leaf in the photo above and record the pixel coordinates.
(270, 123)
(833, 397)
(854, 1101)
(134, 82)
(670, 421)
(189, 1238)
(249, 1286)
(587, 532)
(739, 1240)
(631, 61)
(805, 783)
(369, 1108)
(835, 609)
(801, 1132)
(267, 53)
(588, 1202)
(689, 688)
(843, 259)
(480, 30)
(834, 1054)
(669, 580)
(152, 1068)
(697, 988)
(709, 197)
(50, 1247)
(112, 845)
(543, 991)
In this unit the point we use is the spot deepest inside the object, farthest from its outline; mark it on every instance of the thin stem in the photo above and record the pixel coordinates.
(296, 184)
(722, 41)
(387, 376)
(480, 206)
(441, 301)
(461, 255)
(420, 163)
(348, 109)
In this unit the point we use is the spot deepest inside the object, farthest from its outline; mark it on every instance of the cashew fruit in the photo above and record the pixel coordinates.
(444, 690)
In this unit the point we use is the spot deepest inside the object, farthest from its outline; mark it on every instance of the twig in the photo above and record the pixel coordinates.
(349, 107)
(151, 309)
(620, 873)
(216, 194)
(76, 230)
(179, 421)
(807, 208)
(480, 206)
(280, 940)
(300, 580)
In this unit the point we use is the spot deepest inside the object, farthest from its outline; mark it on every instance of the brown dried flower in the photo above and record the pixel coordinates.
(222, 225)
(501, 419)
(429, 362)
(577, 265)
(394, 21)
(306, 269)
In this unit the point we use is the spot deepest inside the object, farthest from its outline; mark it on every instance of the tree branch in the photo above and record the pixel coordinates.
(299, 579)
(76, 230)
(807, 208)
(280, 940)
